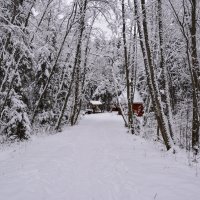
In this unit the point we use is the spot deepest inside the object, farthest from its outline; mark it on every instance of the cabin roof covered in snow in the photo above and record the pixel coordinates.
(96, 102)
(137, 97)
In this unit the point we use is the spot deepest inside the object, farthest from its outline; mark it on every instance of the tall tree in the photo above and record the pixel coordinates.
(195, 75)
(127, 71)
(188, 29)
(151, 76)
(164, 73)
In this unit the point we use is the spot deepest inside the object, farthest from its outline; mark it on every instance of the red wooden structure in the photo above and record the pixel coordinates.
(137, 105)
(138, 109)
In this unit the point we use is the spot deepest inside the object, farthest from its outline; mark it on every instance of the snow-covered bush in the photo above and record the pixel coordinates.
(17, 121)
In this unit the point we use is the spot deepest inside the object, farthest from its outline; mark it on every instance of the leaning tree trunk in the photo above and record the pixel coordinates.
(83, 77)
(57, 127)
(69, 26)
(77, 62)
(151, 77)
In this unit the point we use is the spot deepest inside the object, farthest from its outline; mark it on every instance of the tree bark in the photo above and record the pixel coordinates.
(126, 64)
(77, 62)
(195, 79)
(69, 26)
(164, 71)
(193, 63)
(151, 78)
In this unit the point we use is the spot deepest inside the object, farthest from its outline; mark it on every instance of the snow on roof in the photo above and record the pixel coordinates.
(137, 98)
(96, 102)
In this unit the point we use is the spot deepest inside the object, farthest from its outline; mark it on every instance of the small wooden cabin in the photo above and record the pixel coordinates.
(137, 106)
(96, 106)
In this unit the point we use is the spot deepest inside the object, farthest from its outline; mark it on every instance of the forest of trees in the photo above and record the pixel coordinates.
(53, 60)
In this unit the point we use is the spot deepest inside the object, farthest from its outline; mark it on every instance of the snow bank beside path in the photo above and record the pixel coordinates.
(95, 160)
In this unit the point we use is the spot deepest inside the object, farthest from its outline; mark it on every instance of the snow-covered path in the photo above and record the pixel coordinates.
(95, 160)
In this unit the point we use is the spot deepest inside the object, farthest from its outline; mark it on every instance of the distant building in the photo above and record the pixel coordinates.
(96, 106)
(137, 106)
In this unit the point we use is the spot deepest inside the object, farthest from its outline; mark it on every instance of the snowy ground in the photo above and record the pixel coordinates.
(96, 160)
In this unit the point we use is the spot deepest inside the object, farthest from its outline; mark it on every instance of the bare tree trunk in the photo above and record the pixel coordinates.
(65, 101)
(130, 112)
(116, 91)
(151, 78)
(164, 71)
(191, 52)
(195, 79)
(83, 78)
(133, 72)
(77, 62)
(62, 80)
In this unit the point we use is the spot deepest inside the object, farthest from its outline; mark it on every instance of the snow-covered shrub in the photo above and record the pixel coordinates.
(45, 117)
(17, 121)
